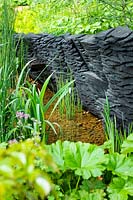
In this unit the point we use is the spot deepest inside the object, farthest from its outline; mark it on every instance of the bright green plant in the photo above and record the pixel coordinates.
(122, 9)
(80, 164)
(8, 67)
(87, 172)
(30, 109)
(60, 17)
(121, 166)
(21, 106)
(65, 170)
(26, 2)
(127, 145)
(71, 103)
(19, 174)
(75, 17)
(67, 104)
(22, 2)
(112, 134)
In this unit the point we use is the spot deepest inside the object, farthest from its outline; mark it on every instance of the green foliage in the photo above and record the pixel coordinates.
(71, 103)
(19, 174)
(21, 2)
(112, 134)
(74, 16)
(84, 159)
(127, 146)
(22, 110)
(120, 188)
(122, 9)
(86, 172)
(64, 170)
(26, 2)
(120, 165)
(8, 67)
(27, 102)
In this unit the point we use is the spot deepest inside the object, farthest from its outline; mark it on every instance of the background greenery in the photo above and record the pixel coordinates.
(73, 16)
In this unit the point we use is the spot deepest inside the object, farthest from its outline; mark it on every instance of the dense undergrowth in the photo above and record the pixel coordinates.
(66, 170)
(73, 16)
(29, 167)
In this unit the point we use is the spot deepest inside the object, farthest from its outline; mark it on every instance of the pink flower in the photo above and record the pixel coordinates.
(21, 115)
(12, 141)
(26, 116)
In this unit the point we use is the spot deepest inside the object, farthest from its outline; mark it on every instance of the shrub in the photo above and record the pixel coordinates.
(19, 174)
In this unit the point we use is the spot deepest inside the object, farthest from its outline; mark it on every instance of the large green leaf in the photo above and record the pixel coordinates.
(119, 189)
(84, 158)
(95, 195)
(92, 184)
(120, 165)
(85, 195)
(56, 150)
(127, 146)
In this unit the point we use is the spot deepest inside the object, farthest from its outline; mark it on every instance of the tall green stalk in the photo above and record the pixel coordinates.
(8, 67)
(115, 136)
(71, 103)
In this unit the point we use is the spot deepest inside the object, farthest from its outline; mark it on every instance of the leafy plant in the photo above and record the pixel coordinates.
(120, 188)
(22, 2)
(85, 159)
(66, 170)
(22, 107)
(19, 174)
(87, 172)
(71, 102)
(115, 136)
(28, 101)
(127, 146)
(8, 67)
(121, 9)
(74, 16)
(36, 106)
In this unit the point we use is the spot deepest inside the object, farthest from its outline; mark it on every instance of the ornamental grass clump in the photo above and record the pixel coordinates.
(71, 102)
(112, 134)
(8, 67)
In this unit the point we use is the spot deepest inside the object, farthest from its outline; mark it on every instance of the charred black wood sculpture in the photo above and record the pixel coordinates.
(101, 64)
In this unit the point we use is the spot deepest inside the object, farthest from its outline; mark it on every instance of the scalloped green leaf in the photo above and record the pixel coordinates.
(119, 189)
(56, 150)
(120, 165)
(127, 146)
(85, 159)
(85, 195)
